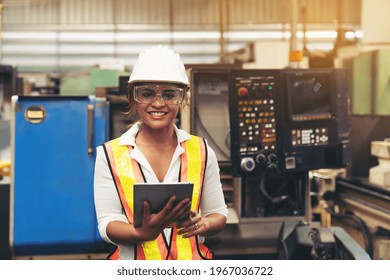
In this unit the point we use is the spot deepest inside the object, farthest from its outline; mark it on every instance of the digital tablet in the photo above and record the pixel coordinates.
(158, 194)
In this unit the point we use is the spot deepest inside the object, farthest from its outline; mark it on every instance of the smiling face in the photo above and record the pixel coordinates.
(157, 104)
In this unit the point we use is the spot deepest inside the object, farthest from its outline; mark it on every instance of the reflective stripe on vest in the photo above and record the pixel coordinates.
(193, 163)
(126, 172)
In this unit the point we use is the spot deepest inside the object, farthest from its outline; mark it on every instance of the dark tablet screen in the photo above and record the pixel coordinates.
(158, 194)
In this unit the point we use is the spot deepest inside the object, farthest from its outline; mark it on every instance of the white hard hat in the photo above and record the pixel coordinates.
(159, 64)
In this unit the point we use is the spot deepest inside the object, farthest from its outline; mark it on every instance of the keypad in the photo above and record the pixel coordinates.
(309, 137)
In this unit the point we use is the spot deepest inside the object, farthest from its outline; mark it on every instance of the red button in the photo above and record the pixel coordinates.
(242, 91)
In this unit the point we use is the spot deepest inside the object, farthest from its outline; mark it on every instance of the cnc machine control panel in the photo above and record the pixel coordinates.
(287, 120)
(256, 100)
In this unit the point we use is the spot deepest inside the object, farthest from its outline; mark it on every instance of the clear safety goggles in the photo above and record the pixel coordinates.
(169, 94)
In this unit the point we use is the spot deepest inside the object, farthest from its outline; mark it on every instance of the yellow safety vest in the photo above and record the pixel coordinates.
(126, 171)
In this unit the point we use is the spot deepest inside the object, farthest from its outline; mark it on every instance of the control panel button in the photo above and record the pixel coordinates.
(248, 164)
(242, 91)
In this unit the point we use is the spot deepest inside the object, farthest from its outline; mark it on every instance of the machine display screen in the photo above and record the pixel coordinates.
(309, 94)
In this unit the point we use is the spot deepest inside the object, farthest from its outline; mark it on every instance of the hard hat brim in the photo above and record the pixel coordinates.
(133, 82)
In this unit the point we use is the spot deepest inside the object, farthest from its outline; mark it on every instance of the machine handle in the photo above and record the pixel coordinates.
(90, 109)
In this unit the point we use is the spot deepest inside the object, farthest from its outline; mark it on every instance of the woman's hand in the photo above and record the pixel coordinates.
(192, 226)
(204, 226)
(154, 224)
(188, 222)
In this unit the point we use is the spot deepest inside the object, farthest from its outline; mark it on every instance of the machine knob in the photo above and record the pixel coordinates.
(261, 158)
(272, 158)
(272, 167)
(248, 164)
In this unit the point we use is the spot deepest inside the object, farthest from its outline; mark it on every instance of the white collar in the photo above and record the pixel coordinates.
(128, 138)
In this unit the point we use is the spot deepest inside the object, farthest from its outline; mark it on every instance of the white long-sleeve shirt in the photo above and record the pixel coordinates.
(107, 203)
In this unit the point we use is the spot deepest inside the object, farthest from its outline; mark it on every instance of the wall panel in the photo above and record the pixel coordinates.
(186, 12)
(122, 28)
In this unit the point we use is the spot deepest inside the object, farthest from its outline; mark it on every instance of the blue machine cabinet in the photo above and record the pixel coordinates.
(53, 141)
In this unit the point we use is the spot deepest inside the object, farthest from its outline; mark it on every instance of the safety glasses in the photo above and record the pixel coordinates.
(148, 93)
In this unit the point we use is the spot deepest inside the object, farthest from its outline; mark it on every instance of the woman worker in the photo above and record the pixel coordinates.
(154, 150)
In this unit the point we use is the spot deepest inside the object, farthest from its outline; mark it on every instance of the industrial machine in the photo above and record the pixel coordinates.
(300, 241)
(380, 174)
(283, 124)
(53, 142)
(270, 127)
(364, 211)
